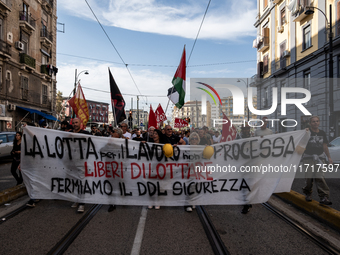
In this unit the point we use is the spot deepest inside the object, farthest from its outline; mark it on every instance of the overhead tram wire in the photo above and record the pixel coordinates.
(126, 65)
(155, 65)
(104, 91)
(199, 30)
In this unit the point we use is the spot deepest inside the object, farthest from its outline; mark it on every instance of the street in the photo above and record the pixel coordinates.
(169, 230)
(138, 230)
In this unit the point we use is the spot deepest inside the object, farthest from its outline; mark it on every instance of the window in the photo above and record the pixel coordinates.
(307, 40)
(25, 40)
(306, 80)
(283, 16)
(44, 22)
(24, 88)
(265, 4)
(265, 64)
(45, 57)
(44, 94)
(24, 15)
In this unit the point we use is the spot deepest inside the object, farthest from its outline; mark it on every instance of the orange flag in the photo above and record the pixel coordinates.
(79, 105)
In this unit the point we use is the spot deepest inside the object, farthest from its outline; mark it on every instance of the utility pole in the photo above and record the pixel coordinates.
(138, 112)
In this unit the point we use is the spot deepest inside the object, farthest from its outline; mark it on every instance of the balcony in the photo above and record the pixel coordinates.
(279, 66)
(46, 37)
(300, 14)
(44, 69)
(48, 3)
(5, 5)
(27, 21)
(27, 60)
(263, 44)
(4, 49)
(254, 80)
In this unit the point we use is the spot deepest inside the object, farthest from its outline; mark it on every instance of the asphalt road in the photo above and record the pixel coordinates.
(169, 230)
(6, 178)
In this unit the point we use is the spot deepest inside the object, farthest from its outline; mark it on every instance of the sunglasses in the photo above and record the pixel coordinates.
(194, 139)
(169, 129)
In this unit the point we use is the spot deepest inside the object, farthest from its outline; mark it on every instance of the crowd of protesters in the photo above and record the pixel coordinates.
(196, 136)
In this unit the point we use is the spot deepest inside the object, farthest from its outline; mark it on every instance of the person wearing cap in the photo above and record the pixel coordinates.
(263, 131)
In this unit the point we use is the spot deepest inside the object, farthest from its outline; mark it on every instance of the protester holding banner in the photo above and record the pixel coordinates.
(186, 137)
(194, 139)
(77, 128)
(204, 140)
(216, 137)
(116, 133)
(245, 133)
(156, 139)
(138, 136)
(263, 130)
(16, 151)
(126, 134)
(156, 136)
(169, 137)
(315, 154)
(148, 136)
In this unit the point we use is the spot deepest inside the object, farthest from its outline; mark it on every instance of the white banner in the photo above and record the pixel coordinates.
(102, 170)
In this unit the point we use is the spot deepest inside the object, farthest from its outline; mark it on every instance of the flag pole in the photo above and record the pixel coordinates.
(113, 107)
(114, 113)
(172, 89)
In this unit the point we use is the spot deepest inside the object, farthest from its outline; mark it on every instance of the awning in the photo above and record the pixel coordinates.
(46, 116)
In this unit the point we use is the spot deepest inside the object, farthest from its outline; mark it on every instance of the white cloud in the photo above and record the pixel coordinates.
(228, 20)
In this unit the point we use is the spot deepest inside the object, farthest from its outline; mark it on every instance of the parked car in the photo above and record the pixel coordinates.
(6, 144)
(334, 150)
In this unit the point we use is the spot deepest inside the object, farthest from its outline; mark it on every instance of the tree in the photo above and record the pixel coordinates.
(59, 104)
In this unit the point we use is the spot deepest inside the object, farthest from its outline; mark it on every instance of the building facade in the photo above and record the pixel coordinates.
(193, 110)
(98, 111)
(27, 62)
(293, 52)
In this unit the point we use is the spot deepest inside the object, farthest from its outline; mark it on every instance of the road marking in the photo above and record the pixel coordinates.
(137, 243)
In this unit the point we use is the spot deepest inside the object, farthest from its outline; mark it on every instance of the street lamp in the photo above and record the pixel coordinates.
(331, 106)
(239, 80)
(75, 83)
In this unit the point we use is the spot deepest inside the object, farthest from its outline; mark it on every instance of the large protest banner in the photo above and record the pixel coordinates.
(91, 169)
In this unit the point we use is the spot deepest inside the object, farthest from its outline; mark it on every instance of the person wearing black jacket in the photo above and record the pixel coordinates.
(16, 151)
(138, 136)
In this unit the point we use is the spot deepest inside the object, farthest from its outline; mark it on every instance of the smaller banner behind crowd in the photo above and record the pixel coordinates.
(91, 169)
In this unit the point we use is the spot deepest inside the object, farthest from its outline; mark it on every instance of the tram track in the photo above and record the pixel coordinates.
(317, 240)
(214, 238)
(72, 234)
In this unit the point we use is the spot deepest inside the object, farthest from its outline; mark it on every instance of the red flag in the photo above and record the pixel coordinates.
(152, 119)
(160, 115)
(179, 123)
(229, 132)
(79, 105)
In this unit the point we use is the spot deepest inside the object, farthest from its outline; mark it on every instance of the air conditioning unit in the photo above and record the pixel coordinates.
(280, 29)
(11, 107)
(286, 54)
(19, 45)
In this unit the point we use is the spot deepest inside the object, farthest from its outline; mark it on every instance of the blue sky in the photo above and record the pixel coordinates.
(148, 34)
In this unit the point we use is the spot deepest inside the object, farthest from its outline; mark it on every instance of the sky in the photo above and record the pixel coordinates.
(142, 43)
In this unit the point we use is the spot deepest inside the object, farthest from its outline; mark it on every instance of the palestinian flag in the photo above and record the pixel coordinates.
(177, 93)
